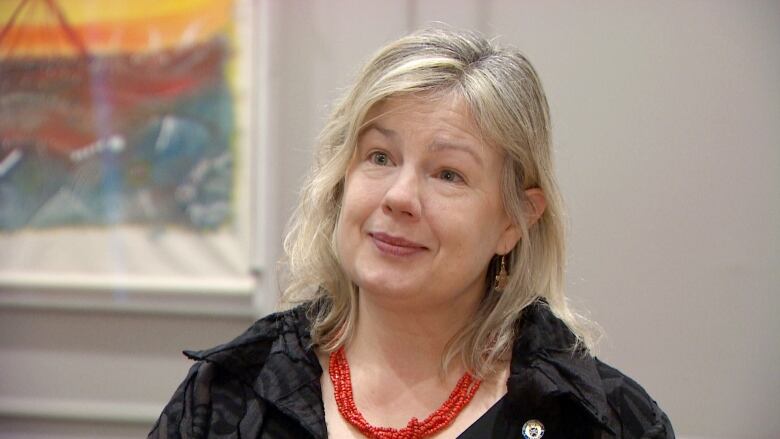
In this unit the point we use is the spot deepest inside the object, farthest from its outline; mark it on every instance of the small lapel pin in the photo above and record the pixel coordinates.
(533, 429)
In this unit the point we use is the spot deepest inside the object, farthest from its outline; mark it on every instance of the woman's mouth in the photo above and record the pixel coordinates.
(394, 245)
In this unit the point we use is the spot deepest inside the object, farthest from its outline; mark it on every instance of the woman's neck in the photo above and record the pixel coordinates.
(395, 360)
(409, 341)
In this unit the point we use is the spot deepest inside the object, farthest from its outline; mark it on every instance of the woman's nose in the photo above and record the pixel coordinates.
(403, 195)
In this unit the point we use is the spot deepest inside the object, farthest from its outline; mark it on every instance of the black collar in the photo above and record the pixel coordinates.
(275, 358)
(546, 366)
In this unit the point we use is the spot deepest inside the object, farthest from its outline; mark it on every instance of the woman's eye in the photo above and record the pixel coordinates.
(451, 176)
(379, 158)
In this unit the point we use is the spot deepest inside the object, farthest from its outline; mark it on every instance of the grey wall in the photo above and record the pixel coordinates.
(665, 116)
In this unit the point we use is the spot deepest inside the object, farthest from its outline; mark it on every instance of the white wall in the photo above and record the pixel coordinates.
(668, 146)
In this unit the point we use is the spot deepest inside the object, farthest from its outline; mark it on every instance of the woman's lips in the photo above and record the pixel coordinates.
(394, 245)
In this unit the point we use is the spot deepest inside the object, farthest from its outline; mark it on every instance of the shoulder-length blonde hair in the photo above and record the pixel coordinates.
(506, 99)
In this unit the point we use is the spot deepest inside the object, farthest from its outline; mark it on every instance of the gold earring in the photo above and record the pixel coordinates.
(502, 277)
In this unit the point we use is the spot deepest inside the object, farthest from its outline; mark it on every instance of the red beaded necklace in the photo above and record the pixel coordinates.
(342, 388)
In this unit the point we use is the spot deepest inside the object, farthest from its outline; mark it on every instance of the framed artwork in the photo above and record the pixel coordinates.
(125, 159)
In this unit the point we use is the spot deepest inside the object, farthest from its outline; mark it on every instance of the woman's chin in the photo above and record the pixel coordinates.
(387, 292)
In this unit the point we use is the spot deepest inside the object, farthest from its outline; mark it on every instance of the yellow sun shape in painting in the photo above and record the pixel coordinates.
(32, 28)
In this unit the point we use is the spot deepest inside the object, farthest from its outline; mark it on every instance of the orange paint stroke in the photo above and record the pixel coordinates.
(129, 36)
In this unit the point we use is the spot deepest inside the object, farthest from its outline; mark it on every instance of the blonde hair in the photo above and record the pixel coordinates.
(506, 100)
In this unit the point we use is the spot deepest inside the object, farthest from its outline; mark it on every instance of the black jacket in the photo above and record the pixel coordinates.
(266, 384)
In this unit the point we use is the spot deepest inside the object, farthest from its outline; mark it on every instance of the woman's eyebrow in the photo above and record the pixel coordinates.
(387, 132)
(440, 145)
(436, 146)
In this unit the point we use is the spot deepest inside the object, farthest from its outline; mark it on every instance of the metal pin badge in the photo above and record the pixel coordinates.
(533, 429)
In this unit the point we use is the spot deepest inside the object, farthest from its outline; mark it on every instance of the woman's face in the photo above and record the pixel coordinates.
(421, 212)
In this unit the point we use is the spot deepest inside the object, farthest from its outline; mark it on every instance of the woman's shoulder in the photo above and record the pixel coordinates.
(547, 371)
(632, 406)
(243, 379)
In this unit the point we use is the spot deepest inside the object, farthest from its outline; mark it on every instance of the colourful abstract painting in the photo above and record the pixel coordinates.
(116, 113)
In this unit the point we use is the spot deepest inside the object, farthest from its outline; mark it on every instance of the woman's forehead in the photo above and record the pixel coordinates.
(407, 101)
(452, 101)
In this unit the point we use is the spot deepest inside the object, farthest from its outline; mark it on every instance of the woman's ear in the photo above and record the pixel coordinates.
(508, 239)
(535, 205)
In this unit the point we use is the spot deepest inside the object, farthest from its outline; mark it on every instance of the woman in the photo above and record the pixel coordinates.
(426, 256)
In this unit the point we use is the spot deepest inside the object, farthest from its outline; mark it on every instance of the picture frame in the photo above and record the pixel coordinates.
(126, 151)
